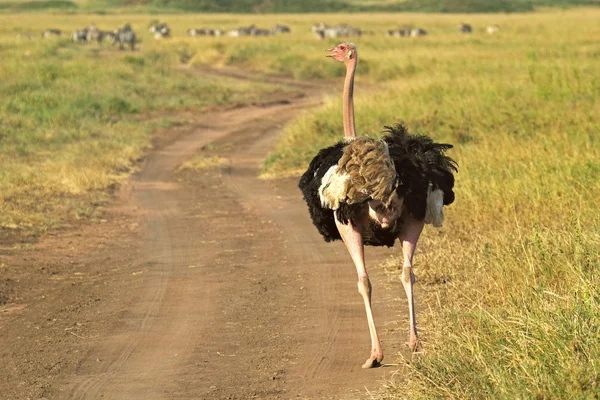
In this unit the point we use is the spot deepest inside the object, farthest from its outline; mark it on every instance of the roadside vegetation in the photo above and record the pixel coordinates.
(76, 119)
(508, 289)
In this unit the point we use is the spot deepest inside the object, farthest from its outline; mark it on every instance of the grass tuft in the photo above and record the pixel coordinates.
(203, 162)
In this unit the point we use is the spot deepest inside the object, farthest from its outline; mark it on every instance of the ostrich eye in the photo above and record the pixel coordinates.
(342, 47)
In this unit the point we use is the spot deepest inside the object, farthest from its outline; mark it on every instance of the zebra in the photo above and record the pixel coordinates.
(161, 31)
(92, 33)
(323, 31)
(261, 32)
(400, 32)
(204, 32)
(244, 31)
(198, 32)
(79, 36)
(465, 28)
(124, 36)
(416, 32)
(318, 27)
(277, 28)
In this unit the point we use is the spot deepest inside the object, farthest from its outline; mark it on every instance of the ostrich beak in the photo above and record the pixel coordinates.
(333, 51)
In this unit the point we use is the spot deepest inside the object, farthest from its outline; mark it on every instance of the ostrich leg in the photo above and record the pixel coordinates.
(408, 237)
(354, 243)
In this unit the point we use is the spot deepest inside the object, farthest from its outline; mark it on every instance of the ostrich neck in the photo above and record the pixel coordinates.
(348, 99)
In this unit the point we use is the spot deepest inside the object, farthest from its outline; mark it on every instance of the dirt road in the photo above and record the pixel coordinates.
(200, 284)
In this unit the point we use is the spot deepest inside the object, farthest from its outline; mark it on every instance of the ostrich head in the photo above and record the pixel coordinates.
(343, 52)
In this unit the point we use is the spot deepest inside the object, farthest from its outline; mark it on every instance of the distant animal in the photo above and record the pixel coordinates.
(96, 35)
(406, 31)
(318, 27)
(234, 33)
(416, 32)
(48, 33)
(251, 30)
(242, 31)
(319, 34)
(204, 32)
(79, 36)
(367, 191)
(109, 36)
(400, 32)
(93, 33)
(125, 36)
(491, 29)
(200, 32)
(277, 28)
(465, 28)
(161, 31)
(323, 31)
(261, 32)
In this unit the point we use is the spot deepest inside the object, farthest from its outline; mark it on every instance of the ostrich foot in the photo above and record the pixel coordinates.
(414, 344)
(373, 362)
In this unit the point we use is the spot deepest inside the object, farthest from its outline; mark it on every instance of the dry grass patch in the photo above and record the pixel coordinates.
(203, 162)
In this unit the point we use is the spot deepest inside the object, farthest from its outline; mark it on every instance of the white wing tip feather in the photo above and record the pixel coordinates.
(434, 213)
(334, 188)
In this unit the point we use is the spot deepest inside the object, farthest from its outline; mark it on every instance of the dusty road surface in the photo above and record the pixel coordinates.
(199, 284)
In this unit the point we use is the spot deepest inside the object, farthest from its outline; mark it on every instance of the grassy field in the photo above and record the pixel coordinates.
(508, 289)
(74, 119)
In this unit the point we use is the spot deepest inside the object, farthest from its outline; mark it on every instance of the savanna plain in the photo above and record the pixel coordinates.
(508, 289)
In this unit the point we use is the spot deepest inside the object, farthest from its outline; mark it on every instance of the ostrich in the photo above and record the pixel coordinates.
(371, 192)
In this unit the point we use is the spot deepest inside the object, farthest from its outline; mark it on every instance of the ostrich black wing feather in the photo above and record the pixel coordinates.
(310, 181)
(419, 162)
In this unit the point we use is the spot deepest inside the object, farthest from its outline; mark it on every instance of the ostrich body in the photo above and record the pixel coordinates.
(366, 191)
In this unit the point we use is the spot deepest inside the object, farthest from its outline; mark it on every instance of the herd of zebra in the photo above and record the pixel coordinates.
(322, 31)
(126, 36)
(123, 36)
(251, 30)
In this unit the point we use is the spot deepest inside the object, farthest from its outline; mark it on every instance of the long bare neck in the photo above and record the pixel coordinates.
(348, 99)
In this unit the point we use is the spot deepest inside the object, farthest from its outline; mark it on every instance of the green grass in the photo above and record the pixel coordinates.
(508, 289)
(74, 120)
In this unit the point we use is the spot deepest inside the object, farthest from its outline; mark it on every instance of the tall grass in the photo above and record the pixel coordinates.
(508, 289)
